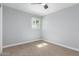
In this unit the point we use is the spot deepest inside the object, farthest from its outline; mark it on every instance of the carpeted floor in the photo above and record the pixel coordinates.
(30, 49)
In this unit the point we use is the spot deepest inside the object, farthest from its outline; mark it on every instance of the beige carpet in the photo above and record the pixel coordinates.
(30, 49)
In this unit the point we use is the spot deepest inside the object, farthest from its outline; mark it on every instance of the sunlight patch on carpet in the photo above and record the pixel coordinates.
(41, 45)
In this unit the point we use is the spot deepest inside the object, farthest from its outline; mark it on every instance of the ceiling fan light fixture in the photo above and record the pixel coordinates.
(45, 6)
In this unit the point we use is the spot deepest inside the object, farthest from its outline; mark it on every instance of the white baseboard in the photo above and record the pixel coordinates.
(75, 49)
(11, 45)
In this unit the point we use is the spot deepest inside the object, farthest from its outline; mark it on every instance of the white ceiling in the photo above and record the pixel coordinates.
(38, 9)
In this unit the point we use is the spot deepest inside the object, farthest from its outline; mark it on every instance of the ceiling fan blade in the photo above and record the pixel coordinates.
(35, 3)
(44, 5)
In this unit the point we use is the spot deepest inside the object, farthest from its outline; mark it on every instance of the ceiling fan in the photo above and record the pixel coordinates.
(43, 4)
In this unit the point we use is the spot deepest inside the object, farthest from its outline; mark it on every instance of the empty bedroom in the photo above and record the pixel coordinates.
(40, 29)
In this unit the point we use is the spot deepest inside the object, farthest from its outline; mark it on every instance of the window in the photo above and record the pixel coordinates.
(35, 23)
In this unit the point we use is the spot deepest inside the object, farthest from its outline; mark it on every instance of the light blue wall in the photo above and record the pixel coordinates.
(17, 27)
(63, 27)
